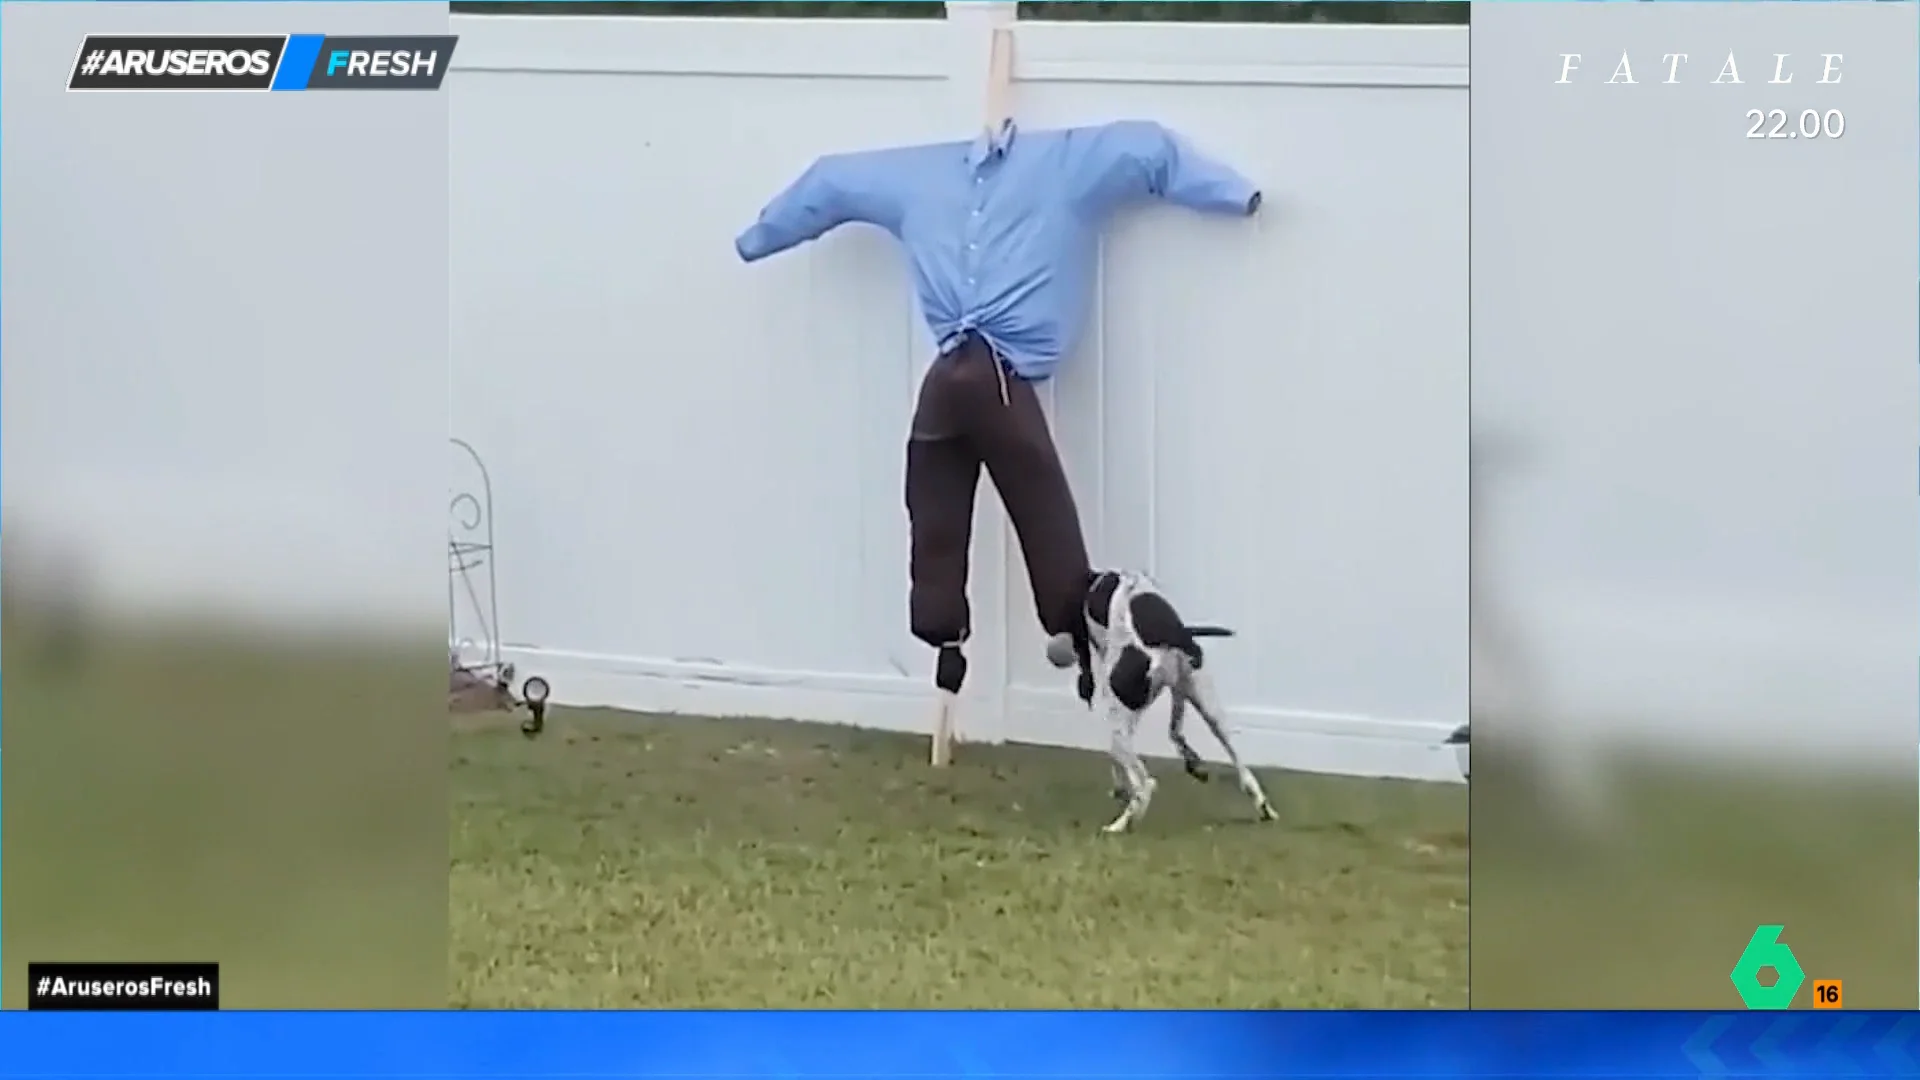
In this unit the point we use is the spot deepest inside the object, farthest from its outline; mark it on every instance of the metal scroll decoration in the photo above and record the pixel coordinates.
(479, 678)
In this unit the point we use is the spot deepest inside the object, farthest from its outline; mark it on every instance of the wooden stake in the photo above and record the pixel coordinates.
(998, 111)
(1000, 81)
(943, 730)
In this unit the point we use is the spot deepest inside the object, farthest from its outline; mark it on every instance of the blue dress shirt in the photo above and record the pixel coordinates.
(1001, 232)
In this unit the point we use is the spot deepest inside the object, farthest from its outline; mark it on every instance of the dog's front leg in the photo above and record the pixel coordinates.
(1102, 703)
(1122, 787)
(1085, 689)
(1122, 723)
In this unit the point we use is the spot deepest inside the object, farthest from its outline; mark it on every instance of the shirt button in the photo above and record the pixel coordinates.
(970, 281)
(976, 211)
(973, 247)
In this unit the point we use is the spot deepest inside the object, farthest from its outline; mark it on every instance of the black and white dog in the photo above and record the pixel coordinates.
(1133, 646)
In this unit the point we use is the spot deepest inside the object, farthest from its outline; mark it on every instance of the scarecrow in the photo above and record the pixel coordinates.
(1001, 233)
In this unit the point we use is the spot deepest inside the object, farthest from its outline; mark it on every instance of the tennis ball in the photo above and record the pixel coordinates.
(1060, 650)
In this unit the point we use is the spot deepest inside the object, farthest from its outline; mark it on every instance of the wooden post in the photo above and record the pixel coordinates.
(943, 730)
(998, 110)
(1000, 80)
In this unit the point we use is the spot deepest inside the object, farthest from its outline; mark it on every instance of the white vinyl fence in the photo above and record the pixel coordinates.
(697, 464)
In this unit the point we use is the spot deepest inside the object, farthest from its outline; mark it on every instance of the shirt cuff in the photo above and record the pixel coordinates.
(749, 246)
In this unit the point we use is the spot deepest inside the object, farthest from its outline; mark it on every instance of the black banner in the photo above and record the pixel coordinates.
(171, 62)
(123, 987)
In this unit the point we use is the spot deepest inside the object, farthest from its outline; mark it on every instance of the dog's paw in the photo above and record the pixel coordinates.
(1084, 687)
(1197, 770)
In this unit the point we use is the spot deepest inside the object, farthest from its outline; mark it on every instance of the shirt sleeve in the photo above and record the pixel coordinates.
(834, 191)
(1139, 158)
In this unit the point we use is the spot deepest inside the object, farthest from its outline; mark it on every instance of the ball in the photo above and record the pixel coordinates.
(1060, 651)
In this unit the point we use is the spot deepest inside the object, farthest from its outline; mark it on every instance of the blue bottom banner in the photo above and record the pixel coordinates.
(925, 1045)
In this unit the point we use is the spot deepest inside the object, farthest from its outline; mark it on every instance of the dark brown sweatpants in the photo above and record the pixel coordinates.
(972, 412)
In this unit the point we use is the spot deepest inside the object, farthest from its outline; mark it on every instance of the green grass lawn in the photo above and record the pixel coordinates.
(182, 792)
(1652, 910)
(626, 861)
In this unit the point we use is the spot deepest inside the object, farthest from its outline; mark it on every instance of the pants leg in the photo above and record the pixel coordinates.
(1019, 452)
(943, 473)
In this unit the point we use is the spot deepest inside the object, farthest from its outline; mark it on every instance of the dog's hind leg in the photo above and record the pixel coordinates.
(1176, 730)
(1207, 702)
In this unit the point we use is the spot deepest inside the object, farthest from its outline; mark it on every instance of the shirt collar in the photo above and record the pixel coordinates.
(992, 145)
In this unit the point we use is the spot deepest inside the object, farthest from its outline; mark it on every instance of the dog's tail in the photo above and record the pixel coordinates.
(1204, 631)
(1461, 736)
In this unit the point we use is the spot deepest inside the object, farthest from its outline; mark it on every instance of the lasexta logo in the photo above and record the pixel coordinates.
(1765, 950)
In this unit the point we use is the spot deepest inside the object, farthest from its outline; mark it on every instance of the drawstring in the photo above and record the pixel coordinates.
(999, 365)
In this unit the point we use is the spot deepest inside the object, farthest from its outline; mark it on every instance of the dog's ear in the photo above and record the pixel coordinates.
(1083, 659)
(1101, 585)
